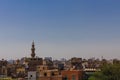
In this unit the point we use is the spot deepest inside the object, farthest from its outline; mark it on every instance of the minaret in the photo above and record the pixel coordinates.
(33, 50)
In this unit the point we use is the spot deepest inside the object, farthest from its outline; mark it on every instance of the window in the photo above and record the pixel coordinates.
(30, 75)
(59, 73)
(45, 74)
(73, 77)
(3, 71)
(43, 68)
(52, 74)
(65, 78)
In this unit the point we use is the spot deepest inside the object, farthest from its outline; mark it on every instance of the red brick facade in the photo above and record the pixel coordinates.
(72, 75)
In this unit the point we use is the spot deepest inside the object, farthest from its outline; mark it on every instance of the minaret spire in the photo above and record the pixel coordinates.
(33, 50)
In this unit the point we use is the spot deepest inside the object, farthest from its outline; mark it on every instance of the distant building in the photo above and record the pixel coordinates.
(3, 68)
(76, 63)
(33, 62)
(72, 75)
(48, 58)
(50, 75)
(35, 68)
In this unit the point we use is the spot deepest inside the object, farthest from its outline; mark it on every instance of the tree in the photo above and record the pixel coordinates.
(108, 72)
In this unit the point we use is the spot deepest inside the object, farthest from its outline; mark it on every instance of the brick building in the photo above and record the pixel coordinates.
(72, 75)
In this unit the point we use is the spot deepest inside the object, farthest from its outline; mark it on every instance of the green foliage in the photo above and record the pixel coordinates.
(108, 72)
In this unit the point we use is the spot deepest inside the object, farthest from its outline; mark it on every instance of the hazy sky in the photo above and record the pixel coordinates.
(60, 28)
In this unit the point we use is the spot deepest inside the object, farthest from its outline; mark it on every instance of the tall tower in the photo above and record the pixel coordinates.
(33, 50)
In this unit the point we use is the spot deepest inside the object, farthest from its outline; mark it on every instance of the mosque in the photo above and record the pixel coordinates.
(33, 61)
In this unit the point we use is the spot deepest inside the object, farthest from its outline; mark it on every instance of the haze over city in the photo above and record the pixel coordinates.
(60, 28)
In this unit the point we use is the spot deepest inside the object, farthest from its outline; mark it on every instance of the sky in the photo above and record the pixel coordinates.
(60, 28)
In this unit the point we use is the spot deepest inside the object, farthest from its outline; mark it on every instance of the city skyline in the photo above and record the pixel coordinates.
(60, 29)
